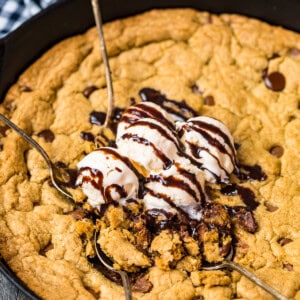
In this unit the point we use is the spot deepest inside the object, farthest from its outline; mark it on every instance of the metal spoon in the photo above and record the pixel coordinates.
(230, 264)
(98, 19)
(55, 173)
(110, 105)
(107, 263)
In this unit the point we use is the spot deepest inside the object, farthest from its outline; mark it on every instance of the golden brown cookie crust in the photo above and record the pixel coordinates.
(173, 51)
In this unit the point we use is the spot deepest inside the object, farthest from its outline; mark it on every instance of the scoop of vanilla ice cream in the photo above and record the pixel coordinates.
(105, 175)
(141, 111)
(150, 143)
(176, 189)
(210, 143)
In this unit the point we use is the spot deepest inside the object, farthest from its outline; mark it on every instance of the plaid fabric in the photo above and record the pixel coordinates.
(14, 12)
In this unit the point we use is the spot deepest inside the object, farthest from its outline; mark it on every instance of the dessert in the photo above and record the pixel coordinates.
(237, 70)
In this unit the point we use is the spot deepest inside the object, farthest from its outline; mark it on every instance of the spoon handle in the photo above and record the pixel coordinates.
(110, 90)
(37, 146)
(251, 276)
(126, 285)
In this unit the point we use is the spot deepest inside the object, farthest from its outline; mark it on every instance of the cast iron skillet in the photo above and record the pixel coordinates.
(69, 17)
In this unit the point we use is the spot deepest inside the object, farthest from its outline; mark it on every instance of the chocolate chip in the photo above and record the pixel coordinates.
(3, 130)
(97, 117)
(209, 100)
(89, 90)
(224, 250)
(289, 267)
(270, 207)
(132, 101)
(87, 136)
(71, 178)
(252, 173)
(196, 90)
(79, 213)
(275, 81)
(117, 114)
(283, 241)
(142, 285)
(237, 146)
(277, 151)
(25, 89)
(294, 51)
(46, 249)
(244, 218)
(47, 135)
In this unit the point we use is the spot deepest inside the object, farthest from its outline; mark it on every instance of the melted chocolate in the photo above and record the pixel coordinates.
(244, 217)
(89, 90)
(275, 81)
(179, 109)
(72, 177)
(97, 117)
(3, 130)
(117, 114)
(69, 175)
(246, 195)
(251, 173)
(47, 135)
(87, 136)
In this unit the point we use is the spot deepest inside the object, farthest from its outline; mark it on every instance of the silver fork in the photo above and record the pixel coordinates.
(228, 263)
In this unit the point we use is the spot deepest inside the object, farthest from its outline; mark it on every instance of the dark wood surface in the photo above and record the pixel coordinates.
(8, 291)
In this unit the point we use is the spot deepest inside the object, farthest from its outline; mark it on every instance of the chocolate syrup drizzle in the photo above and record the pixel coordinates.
(180, 109)
(95, 177)
(156, 220)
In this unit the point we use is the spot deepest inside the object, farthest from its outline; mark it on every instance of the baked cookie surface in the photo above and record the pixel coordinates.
(238, 70)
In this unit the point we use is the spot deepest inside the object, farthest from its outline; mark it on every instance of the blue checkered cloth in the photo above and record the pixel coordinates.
(14, 12)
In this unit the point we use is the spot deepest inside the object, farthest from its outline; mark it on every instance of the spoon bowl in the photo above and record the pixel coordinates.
(107, 263)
